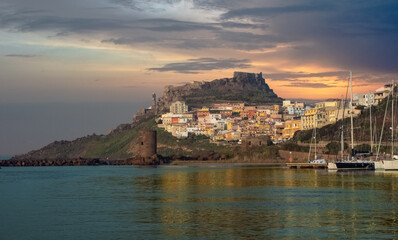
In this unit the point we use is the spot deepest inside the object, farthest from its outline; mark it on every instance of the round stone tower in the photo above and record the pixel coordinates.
(147, 143)
(154, 107)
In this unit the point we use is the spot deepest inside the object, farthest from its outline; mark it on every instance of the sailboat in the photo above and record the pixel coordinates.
(316, 160)
(353, 163)
(390, 164)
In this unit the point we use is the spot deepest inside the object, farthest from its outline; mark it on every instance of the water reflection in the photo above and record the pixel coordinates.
(270, 202)
(111, 202)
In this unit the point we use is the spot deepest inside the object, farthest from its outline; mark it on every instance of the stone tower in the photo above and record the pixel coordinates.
(148, 143)
(154, 108)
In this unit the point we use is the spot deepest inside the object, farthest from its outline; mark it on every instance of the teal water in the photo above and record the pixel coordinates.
(218, 202)
(5, 157)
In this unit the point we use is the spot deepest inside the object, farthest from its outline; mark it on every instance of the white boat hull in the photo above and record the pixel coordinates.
(387, 165)
(332, 166)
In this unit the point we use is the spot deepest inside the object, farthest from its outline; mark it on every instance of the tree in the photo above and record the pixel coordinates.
(334, 147)
(363, 148)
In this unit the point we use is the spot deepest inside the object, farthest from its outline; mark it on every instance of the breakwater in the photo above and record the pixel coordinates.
(83, 162)
(152, 160)
(280, 157)
(63, 162)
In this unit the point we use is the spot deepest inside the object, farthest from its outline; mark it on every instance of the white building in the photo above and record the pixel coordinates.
(363, 99)
(214, 117)
(298, 111)
(286, 103)
(178, 107)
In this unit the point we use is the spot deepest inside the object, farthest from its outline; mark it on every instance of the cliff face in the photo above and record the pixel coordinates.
(243, 87)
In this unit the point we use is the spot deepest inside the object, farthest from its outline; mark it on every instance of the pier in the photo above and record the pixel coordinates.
(307, 165)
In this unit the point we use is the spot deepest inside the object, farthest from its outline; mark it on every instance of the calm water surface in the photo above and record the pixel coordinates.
(223, 202)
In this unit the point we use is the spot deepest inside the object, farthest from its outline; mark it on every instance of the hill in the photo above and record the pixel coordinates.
(122, 142)
(242, 87)
(361, 124)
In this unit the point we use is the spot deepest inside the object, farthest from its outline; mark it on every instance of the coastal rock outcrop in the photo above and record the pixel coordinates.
(242, 87)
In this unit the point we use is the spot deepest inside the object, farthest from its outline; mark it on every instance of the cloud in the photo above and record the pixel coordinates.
(193, 66)
(308, 80)
(61, 24)
(167, 25)
(264, 12)
(344, 34)
(127, 3)
(288, 76)
(249, 41)
(21, 55)
(357, 35)
(141, 5)
(227, 5)
(211, 37)
(232, 24)
(311, 80)
(308, 85)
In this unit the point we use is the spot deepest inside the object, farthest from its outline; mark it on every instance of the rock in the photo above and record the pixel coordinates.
(247, 87)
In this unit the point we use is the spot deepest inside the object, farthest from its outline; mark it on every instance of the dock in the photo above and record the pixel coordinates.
(307, 165)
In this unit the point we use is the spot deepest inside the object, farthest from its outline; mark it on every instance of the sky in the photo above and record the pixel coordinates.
(72, 68)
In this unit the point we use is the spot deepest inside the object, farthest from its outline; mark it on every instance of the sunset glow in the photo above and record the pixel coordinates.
(123, 50)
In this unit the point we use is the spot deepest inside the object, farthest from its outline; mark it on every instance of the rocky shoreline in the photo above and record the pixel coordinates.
(79, 162)
(207, 157)
(154, 160)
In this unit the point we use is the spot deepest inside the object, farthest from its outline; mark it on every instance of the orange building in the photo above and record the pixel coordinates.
(203, 113)
(237, 107)
(174, 120)
(226, 113)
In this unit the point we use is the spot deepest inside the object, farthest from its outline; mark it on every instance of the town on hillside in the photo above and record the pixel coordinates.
(234, 122)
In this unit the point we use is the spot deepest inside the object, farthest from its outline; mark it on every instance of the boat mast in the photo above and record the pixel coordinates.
(309, 152)
(370, 119)
(392, 120)
(342, 128)
(382, 128)
(315, 138)
(352, 120)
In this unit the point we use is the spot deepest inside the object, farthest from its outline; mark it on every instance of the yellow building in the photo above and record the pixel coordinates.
(309, 120)
(327, 104)
(218, 138)
(325, 113)
(291, 126)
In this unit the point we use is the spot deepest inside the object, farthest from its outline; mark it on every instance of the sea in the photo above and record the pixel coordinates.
(196, 202)
(5, 157)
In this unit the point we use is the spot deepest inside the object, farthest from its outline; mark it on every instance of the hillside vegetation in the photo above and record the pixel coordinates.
(361, 128)
(123, 144)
